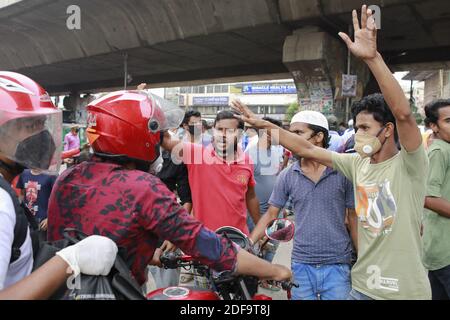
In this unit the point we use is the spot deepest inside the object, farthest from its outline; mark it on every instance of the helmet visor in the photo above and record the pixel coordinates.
(34, 141)
(173, 114)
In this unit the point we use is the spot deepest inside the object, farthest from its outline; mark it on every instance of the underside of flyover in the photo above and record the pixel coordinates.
(197, 40)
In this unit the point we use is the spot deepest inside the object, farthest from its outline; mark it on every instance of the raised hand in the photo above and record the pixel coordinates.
(246, 114)
(142, 86)
(365, 44)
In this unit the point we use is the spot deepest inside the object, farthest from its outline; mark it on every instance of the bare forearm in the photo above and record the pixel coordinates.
(249, 264)
(390, 88)
(188, 206)
(298, 145)
(438, 205)
(259, 230)
(289, 140)
(39, 285)
(253, 208)
(353, 226)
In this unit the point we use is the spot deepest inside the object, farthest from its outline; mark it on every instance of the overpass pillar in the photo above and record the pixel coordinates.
(75, 106)
(317, 61)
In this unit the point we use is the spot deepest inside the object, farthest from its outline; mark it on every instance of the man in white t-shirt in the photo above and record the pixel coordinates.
(11, 273)
(30, 129)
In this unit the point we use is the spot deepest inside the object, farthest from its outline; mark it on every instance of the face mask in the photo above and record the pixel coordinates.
(367, 145)
(36, 151)
(193, 131)
(156, 166)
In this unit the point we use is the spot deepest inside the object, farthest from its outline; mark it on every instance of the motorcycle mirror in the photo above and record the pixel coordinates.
(280, 230)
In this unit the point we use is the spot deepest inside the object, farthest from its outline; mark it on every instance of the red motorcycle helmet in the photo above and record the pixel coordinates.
(128, 125)
(30, 124)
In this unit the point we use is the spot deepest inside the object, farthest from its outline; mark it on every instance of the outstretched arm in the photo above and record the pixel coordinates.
(289, 140)
(365, 48)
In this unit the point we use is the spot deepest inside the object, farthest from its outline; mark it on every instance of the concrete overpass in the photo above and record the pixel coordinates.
(169, 41)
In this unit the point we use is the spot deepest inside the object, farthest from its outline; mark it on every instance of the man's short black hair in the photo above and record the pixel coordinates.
(326, 135)
(205, 124)
(276, 122)
(432, 110)
(378, 108)
(223, 115)
(189, 114)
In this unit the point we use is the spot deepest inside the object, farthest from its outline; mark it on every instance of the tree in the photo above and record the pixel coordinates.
(292, 109)
(414, 110)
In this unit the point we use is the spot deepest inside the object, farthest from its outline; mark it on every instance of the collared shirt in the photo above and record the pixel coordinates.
(71, 142)
(218, 188)
(321, 236)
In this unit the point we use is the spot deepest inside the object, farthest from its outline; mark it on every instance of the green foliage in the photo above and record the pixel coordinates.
(292, 109)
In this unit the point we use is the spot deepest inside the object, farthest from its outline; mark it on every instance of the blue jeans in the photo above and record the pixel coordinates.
(356, 295)
(321, 281)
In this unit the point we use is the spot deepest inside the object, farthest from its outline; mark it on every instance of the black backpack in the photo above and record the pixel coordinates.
(24, 220)
(119, 284)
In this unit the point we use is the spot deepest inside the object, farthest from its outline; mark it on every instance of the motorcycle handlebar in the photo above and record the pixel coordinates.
(171, 260)
(285, 285)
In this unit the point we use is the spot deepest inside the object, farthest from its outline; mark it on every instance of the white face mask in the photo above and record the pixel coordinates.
(156, 166)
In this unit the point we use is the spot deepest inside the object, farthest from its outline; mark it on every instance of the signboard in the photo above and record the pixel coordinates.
(269, 89)
(210, 101)
(349, 85)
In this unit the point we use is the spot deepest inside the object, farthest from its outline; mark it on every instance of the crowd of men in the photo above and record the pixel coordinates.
(370, 203)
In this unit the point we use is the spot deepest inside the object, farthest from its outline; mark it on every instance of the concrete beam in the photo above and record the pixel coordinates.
(317, 61)
(35, 32)
(294, 10)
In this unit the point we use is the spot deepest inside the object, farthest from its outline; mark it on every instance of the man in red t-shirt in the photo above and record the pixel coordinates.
(220, 176)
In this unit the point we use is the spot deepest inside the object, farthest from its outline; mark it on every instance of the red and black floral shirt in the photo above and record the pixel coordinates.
(134, 209)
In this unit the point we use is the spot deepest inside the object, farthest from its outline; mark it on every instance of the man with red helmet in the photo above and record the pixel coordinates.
(30, 134)
(113, 195)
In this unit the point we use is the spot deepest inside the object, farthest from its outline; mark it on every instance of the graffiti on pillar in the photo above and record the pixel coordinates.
(315, 95)
(349, 83)
(313, 92)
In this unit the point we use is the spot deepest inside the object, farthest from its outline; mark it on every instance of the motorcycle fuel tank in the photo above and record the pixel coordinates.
(182, 293)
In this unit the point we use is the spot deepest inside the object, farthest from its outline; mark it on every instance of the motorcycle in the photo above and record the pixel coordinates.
(225, 285)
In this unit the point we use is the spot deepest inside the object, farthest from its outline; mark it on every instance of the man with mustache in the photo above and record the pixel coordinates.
(225, 170)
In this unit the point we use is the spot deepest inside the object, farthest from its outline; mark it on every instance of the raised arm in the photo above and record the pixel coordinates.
(289, 140)
(365, 48)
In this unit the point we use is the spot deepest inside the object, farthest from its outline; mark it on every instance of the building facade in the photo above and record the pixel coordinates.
(267, 98)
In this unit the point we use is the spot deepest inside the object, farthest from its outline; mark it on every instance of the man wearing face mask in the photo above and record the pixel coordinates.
(30, 130)
(389, 184)
(322, 248)
(192, 125)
